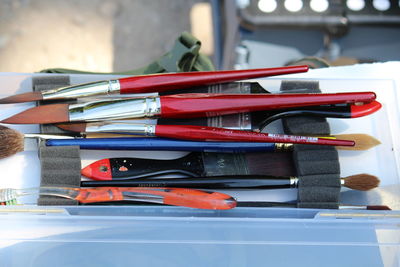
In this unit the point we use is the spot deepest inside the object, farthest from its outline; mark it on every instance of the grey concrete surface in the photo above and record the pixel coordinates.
(95, 35)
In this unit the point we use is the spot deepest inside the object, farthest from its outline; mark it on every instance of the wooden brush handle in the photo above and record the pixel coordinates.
(172, 81)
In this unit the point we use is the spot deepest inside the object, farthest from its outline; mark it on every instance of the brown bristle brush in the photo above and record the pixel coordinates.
(361, 182)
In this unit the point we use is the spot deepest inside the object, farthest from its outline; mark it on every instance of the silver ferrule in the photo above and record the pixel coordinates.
(116, 109)
(283, 147)
(121, 127)
(83, 90)
(352, 207)
(294, 182)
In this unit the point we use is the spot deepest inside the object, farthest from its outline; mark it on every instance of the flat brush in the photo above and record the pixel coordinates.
(169, 196)
(198, 164)
(150, 83)
(179, 106)
(194, 164)
(362, 182)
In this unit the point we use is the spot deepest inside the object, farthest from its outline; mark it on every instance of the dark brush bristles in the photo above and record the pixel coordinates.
(378, 207)
(275, 163)
(11, 142)
(361, 182)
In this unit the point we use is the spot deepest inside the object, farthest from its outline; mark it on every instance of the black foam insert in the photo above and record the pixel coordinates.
(60, 166)
(317, 166)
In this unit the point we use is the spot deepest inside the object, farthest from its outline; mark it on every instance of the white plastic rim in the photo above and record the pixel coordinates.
(267, 6)
(355, 5)
(319, 5)
(381, 5)
(293, 5)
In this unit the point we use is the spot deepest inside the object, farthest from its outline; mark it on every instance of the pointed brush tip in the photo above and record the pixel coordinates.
(73, 127)
(363, 141)
(22, 98)
(378, 207)
(45, 114)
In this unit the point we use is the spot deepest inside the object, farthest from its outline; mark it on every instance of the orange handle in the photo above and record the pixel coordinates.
(192, 198)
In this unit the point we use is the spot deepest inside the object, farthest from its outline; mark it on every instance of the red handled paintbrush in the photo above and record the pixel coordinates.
(151, 83)
(202, 133)
(179, 106)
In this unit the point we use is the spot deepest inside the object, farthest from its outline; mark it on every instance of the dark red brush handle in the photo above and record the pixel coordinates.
(203, 133)
(209, 105)
(171, 81)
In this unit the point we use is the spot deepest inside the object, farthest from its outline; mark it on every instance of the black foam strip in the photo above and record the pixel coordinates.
(60, 166)
(315, 180)
(318, 194)
(317, 205)
(317, 166)
(49, 82)
(306, 125)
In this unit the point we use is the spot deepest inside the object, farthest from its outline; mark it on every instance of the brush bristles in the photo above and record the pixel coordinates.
(377, 207)
(363, 141)
(361, 182)
(11, 142)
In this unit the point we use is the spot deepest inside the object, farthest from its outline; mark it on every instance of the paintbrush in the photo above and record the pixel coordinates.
(12, 142)
(264, 204)
(199, 133)
(150, 83)
(138, 128)
(179, 106)
(192, 198)
(209, 164)
(194, 164)
(362, 182)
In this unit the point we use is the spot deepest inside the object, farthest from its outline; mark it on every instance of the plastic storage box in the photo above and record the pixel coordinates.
(174, 236)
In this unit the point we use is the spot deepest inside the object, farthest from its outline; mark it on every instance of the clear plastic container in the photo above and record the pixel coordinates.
(174, 236)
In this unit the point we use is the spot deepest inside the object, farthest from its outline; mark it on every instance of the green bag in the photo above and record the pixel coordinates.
(183, 57)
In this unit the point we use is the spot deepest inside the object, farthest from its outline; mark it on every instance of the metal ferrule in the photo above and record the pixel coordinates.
(129, 108)
(83, 90)
(121, 127)
(294, 182)
(352, 207)
(283, 147)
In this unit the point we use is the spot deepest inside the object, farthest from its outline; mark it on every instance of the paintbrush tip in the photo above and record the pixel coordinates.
(21, 98)
(73, 127)
(378, 207)
(361, 182)
(11, 142)
(363, 141)
(41, 115)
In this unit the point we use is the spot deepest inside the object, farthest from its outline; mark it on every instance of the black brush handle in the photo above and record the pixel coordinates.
(126, 168)
(219, 182)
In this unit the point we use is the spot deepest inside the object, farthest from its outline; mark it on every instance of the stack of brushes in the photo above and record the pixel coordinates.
(117, 181)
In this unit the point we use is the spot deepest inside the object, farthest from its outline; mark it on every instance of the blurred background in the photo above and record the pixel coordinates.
(120, 35)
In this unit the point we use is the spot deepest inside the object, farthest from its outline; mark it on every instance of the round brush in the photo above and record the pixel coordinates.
(361, 182)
